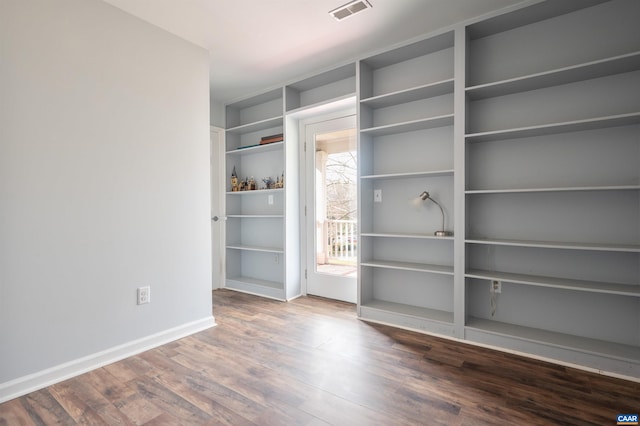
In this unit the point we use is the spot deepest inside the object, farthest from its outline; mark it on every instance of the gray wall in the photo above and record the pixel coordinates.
(104, 182)
(217, 113)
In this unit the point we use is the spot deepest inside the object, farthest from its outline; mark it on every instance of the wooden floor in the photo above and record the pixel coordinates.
(311, 362)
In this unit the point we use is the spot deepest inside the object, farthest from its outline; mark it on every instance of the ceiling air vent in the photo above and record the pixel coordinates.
(350, 9)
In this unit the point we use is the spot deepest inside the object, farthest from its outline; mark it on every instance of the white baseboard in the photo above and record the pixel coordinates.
(41, 379)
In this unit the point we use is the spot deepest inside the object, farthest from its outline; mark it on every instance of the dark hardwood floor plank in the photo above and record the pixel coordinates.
(75, 406)
(200, 398)
(335, 410)
(82, 387)
(493, 415)
(212, 390)
(110, 387)
(130, 368)
(43, 408)
(139, 409)
(168, 401)
(13, 413)
(259, 385)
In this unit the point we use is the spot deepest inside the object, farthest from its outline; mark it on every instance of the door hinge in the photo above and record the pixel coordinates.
(305, 211)
(305, 274)
(305, 147)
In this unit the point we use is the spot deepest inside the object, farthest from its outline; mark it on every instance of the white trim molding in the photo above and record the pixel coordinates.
(32, 382)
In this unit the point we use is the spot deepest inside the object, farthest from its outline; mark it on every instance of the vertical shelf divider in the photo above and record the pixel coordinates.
(459, 160)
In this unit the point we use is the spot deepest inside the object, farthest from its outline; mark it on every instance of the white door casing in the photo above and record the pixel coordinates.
(218, 217)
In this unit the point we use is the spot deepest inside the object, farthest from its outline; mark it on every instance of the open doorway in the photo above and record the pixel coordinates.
(336, 203)
(331, 201)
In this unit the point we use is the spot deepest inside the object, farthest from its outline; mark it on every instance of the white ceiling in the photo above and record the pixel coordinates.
(258, 44)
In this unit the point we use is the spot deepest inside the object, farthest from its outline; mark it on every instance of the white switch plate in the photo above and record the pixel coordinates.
(377, 195)
(270, 199)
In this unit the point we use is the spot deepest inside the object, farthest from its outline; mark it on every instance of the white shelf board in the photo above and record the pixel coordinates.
(561, 283)
(252, 101)
(410, 310)
(557, 189)
(322, 106)
(601, 68)
(410, 126)
(433, 173)
(407, 266)
(632, 248)
(325, 78)
(410, 51)
(255, 248)
(257, 125)
(257, 191)
(525, 16)
(561, 340)
(404, 235)
(257, 282)
(256, 216)
(409, 95)
(552, 128)
(257, 149)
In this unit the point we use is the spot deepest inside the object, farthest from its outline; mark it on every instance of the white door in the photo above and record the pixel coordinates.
(331, 208)
(217, 207)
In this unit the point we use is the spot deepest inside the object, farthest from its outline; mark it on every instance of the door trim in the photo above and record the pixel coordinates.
(218, 185)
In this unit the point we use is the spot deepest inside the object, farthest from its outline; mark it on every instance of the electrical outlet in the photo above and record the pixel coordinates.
(144, 295)
(377, 195)
(270, 199)
(496, 286)
(276, 259)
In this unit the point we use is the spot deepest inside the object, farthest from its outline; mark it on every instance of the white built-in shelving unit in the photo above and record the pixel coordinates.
(552, 190)
(525, 127)
(406, 147)
(258, 236)
(263, 226)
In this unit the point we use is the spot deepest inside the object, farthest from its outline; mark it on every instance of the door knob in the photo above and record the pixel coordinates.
(215, 218)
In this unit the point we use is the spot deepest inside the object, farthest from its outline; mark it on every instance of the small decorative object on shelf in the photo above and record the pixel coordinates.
(252, 184)
(279, 182)
(235, 187)
(268, 183)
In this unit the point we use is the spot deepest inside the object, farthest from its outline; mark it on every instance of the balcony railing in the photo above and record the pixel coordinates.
(342, 239)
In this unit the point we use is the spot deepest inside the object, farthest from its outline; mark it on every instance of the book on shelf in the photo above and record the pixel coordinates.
(271, 139)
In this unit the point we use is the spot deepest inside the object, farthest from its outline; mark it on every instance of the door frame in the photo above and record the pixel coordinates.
(218, 207)
(304, 172)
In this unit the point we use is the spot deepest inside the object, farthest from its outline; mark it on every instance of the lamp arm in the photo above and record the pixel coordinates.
(441, 210)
